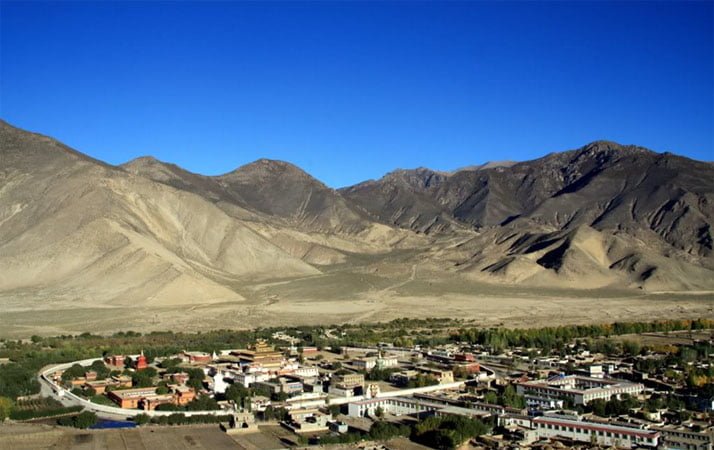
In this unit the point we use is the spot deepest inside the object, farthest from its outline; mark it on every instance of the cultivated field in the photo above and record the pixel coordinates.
(34, 437)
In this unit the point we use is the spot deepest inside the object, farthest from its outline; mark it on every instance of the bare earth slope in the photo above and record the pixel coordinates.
(75, 228)
(83, 242)
(287, 206)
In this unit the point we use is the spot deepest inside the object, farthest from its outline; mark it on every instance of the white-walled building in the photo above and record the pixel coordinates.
(578, 389)
(602, 434)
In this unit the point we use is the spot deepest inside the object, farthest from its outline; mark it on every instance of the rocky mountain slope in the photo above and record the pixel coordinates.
(603, 214)
(72, 227)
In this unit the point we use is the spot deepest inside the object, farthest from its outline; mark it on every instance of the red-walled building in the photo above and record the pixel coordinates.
(114, 361)
(473, 367)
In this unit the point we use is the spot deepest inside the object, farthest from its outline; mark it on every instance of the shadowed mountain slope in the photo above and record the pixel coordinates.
(603, 185)
(604, 215)
(601, 215)
(267, 188)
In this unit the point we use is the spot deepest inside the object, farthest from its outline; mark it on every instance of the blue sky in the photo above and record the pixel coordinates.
(349, 91)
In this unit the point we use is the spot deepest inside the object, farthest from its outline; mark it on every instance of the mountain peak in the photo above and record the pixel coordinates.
(267, 168)
(34, 150)
(611, 147)
(141, 161)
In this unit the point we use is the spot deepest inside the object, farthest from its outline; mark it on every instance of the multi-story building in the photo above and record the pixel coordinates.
(348, 380)
(441, 375)
(148, 399)
(680, 437)
(594, 432)
(182, 394)
(306, 372)
(261, 355)
(379, 362)
(279, 385)
(337, 391)
(579, 390)
(365, 364)
(115, 361)
(196, 357)
(393, 405)
(247, 379)
(131, 398)
(100, 386)
(123, 381)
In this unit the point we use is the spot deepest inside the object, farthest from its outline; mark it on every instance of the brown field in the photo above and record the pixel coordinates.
(34, 437)
(671, 338)
(354, 296)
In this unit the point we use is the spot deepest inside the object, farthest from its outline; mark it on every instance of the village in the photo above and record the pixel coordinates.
(651, 395)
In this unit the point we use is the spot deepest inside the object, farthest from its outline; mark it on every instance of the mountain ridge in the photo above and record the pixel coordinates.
(602, 215)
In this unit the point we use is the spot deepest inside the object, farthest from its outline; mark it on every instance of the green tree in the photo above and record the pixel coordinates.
(490, 397)
(237, 392)
(631, 348)
(279, 396)
(272, 413)
(382, 431)
(195, 378)
(16, 380)
(170, 363)
(142, 419)
(334, 410)
(447, 432)
(202, 403)
(75, 371)
(5, 408)
(379, 412)
(598, 406)
(100, 368)
(143, 378)
(85, 419)
(512, 399)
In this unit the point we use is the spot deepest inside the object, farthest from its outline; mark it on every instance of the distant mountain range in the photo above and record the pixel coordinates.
(604, 215)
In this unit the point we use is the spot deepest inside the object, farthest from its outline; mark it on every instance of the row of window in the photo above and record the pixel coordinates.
(592, 432)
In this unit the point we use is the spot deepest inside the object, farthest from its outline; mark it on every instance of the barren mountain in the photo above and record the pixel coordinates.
(72, 227)
(646, 217)
(280, 201)
(268, 188)
(74, 230)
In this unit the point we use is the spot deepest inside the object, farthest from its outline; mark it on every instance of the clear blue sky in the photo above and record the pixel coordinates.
(349, 91)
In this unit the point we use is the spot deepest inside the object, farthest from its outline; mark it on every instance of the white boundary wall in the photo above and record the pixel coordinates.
(113, 410)
(60, 392)
(398, 393)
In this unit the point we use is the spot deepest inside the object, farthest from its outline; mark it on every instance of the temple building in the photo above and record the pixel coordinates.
(261, 355)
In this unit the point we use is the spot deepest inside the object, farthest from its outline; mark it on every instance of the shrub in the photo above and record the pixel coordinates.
(27, 414)
(5, 408)
(383, 431)
(16, 381)
(181, 419)
(85, 419)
